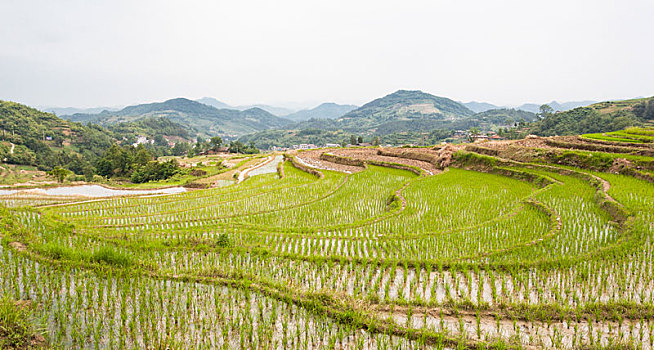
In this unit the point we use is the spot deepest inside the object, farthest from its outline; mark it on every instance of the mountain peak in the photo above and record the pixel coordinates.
(415, 102)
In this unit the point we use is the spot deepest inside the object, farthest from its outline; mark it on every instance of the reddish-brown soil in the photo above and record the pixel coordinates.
(371, 154)
(312, 158)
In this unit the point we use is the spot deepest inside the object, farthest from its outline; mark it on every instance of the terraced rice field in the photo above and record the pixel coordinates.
(487, 253)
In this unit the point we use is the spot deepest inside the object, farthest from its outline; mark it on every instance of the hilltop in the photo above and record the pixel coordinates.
(405, 110)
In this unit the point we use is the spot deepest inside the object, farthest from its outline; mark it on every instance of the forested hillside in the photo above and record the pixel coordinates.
(46, 141)
(31, 137)
(197, 118)
(599, 117)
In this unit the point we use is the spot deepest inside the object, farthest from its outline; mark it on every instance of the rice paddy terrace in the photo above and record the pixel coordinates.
(538, 243)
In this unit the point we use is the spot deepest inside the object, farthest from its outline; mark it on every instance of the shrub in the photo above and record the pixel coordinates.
(223, 241)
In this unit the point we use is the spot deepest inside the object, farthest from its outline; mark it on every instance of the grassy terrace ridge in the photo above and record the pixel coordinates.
(630, 135)
(519, 249)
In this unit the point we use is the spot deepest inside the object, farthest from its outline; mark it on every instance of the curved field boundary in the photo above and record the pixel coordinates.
(610, 205)
(586, 138)
(363, 162)
(280, 169)
(641, 175)
(456, 263)
(340, 308)
(214, 204)
(425, 157)
(303, 167)
(599, 147)
(170, 197)
(326, 195)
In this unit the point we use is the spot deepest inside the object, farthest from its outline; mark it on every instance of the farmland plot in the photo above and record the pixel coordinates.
(520, 256)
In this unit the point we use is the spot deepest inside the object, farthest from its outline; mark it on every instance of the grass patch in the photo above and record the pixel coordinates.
(104, 255)
(57, 252)
(16, 328)
(111, 256)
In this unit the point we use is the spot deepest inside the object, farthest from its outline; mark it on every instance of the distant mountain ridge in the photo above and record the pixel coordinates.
(326, 110)
(199, 118)
(73, 110)
(479, 107)
(561, 107)
(277, 111)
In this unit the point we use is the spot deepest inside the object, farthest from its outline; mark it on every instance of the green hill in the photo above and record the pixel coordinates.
(399, 118)
(152, 128)
(44, 140)
(598, 117)
(198, 118)
(502, 116)
(403, 110)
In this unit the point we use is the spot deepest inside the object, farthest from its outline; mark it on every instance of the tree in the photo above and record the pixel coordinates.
(239, 147)
(544, 111)
(160, 141)
(353, 140)
(649, 111)
(375, 141)
(143, 156)
(59, 173)
(199, 145)
(155, 171)
(216, 142)
(181, 148)
(472, 133)
(359, 140)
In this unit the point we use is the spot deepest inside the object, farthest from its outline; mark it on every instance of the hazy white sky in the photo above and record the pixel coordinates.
(106, 53)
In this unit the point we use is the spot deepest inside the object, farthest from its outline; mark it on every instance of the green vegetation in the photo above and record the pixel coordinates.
(135, 163)
(324, 111)
(403, 117)
(630, 135)
(596, 118)
(196, 118)
(71, 151)
(45, 141)
(17, 330)
(506, 250)
(502, 250)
